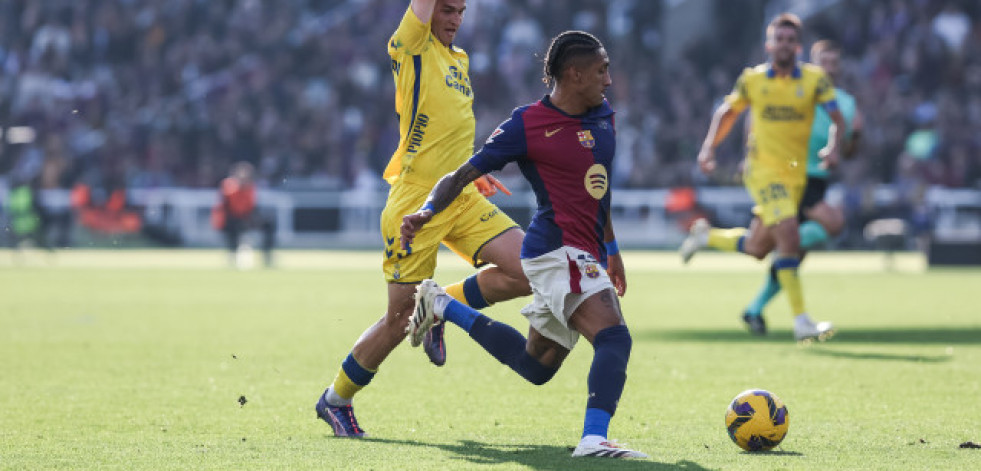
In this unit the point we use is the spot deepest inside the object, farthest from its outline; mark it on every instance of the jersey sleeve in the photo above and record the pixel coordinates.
(506, 144)
(738, 99)
(411, 37)
(824, 91)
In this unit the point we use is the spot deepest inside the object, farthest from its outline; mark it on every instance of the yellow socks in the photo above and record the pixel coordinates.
(786, 268)
(729, 240)
(351, 378)
(468, 292)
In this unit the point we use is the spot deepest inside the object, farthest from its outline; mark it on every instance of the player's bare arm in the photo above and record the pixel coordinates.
(830, 153)
(423, 9)
(851, 144)
(614, 261)
(722, 121)
(445, 191)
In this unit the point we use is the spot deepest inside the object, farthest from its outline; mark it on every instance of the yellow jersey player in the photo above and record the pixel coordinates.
(434, 100)
(819, 221)
(782, 95)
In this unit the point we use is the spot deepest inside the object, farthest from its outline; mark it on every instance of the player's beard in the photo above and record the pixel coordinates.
(785, 63)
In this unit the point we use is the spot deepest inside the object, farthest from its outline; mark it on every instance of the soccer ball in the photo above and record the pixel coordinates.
(757, 420)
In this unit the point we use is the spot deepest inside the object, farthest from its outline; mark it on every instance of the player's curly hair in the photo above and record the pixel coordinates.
(566, 46)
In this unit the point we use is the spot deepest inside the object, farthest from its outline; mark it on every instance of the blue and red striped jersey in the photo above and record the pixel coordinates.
(568, 161)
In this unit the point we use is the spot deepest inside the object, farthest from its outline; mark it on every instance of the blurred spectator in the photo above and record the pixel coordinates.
(168, 93)
(104, 208)
(237, 213)
(24, 220)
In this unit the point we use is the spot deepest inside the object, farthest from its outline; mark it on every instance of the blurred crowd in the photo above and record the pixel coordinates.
(156, 93)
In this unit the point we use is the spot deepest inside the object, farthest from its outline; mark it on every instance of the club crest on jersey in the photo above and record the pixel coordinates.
(596, 181)
(586, 138)
(592, 271)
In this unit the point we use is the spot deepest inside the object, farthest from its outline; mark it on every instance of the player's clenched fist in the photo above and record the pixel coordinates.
(411, 224)
(706, 160)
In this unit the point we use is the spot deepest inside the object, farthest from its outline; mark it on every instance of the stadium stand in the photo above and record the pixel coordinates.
(168, 93)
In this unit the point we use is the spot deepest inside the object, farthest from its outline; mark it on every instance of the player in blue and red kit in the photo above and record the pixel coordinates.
(564, 145)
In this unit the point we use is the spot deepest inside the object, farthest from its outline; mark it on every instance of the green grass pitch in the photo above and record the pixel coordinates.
(137, 360)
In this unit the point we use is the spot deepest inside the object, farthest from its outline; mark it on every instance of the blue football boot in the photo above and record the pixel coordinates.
(434, 344)
(340, 418)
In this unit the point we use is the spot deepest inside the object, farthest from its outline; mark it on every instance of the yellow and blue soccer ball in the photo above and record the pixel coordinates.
(757, 420)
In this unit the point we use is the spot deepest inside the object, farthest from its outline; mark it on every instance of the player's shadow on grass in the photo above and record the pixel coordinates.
(918, 335)
(541, 457)
(838, 353)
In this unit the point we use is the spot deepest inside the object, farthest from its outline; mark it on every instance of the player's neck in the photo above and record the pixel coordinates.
(568, 103)
(782, 70)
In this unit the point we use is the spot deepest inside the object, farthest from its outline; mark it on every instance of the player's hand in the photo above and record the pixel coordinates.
(706, 160)
(614, 268)
(829, 157)
(488, 186)
(411, 224)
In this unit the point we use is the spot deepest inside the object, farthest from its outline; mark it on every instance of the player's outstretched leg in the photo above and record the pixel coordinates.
(697, 239)
(502, 341)
(702, 235)
(502, 281)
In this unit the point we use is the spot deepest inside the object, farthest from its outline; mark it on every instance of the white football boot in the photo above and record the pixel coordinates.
(698, 237)
(806, 329)
(424, 316)
(595, 445)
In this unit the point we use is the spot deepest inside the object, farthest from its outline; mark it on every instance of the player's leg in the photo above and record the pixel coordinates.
(823, 222)
(482, 234)
(536, 359)
(500, 282)
(368, 353)
(599, 320)
(756, 242)
(267, 226)
(759, 240)
(786, 265)
(817, 219)
(403, 269)
(505, 280)
(787, 262)
(233, 235)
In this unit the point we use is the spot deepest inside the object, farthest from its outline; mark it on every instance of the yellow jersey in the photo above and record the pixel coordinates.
(782, 111)
(434, 103)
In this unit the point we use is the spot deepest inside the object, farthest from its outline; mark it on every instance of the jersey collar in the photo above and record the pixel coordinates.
(771, 73)
(596, 111)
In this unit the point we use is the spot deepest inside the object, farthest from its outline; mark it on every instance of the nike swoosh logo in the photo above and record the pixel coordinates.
(552, 132)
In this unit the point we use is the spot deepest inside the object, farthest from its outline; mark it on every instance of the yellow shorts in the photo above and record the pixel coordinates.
(466, 226)
(777, 194)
